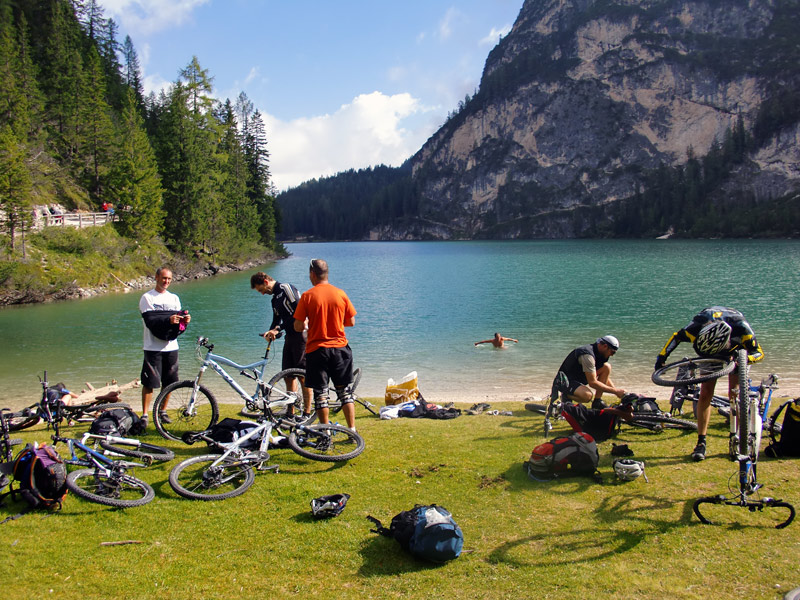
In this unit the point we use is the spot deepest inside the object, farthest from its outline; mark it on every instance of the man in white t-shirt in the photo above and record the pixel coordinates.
(160, 366)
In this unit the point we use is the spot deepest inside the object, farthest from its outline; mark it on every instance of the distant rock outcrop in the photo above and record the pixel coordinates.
(585, 96)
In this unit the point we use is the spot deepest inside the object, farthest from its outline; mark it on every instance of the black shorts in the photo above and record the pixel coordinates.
(294, 352)
(159, 368)
(333, 363)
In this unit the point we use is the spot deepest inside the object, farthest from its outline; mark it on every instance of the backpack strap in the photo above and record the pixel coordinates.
(379, 528)
(774, 419)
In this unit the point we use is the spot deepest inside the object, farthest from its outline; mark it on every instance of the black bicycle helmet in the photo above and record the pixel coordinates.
(328, 506)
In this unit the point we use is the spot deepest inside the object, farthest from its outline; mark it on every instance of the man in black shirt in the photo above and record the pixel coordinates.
(588, 374)
(284, 303)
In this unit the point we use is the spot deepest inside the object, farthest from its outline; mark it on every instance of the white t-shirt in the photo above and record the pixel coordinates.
(152, 300)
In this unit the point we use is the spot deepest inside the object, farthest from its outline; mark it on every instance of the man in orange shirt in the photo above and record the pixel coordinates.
(328, 355)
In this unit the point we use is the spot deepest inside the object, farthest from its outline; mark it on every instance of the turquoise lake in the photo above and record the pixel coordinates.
(421, 305)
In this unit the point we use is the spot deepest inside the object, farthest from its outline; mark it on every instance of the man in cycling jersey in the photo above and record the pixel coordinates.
(284, 302)
(717, 332)
(328, 354)
(585, 374)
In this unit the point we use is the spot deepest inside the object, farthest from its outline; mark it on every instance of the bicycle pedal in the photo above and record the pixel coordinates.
(263, 467)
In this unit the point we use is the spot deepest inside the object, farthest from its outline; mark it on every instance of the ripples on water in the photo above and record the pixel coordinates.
(421, 305)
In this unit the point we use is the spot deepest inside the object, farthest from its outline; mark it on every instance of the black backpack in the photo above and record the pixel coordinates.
(117, 421)
(42, 478)
(229, 430)
(789, 442)
(428, 532)
(575, 454)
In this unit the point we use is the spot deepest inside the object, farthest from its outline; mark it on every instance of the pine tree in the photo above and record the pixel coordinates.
(132, 72)
(15, 185)
(98, 138)
(134, 180)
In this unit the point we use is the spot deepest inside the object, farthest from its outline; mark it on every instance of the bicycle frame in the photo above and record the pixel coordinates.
(215, 362)
(94, 458)
(264, 429)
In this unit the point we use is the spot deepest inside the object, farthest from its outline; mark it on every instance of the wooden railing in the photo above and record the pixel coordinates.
(76, 219)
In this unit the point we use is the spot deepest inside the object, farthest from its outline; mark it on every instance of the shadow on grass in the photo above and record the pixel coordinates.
(627, 524)
(383, 557)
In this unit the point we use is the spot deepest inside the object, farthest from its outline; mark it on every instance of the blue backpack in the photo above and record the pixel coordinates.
(426, 531)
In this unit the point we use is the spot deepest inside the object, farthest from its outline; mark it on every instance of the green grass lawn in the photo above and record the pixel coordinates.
(523, 539)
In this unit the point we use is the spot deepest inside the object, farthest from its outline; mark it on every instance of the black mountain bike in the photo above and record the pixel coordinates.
(42, 410)
(646, 414)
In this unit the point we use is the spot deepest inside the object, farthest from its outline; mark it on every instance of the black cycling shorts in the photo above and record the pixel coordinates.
(294, 352)
(323, 364)
(159, 368)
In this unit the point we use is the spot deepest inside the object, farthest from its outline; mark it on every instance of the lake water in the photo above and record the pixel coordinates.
(421, 305)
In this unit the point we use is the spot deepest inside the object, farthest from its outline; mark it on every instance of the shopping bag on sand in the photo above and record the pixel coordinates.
(403, 391)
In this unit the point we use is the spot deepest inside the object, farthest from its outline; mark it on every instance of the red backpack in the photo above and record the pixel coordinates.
(571, 455)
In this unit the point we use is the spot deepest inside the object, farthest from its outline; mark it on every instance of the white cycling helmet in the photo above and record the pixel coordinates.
(713, 338)
(610, 341)
(628, 469)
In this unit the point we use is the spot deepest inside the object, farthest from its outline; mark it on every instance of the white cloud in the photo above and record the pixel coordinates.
(446, 25)
(494, 36)
(252, 75)
(155, 83)
(149, 16)
(366, 132)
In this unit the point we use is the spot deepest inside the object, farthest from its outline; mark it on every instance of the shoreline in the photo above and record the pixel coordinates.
(10, 298)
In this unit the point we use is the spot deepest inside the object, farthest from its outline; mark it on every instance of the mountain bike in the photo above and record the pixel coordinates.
(42, 410)
(221, 476)
(745, 441)
(646, 414)
(191, 406)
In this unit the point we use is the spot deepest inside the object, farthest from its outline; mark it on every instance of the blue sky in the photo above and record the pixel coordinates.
(341, 85)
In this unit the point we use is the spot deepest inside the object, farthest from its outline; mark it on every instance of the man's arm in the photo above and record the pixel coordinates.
(350, 322)
(484, 342)
(299, 326)
(593, 382)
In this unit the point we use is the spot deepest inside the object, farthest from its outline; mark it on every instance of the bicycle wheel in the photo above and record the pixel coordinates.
(328, 443)
(120, 490)
(201, 417)
(138, 449)
(537, 408)
(745, 406)
(665, 420)
(195, 478)
(21, 420)
(692, 370)
(281, 383)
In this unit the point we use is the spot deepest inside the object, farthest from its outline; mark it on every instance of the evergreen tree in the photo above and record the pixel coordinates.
(15, 185)
(134, 182)
(98, 139)
(132, 72)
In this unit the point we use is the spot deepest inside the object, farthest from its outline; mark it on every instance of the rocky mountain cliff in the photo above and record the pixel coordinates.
(584, 98)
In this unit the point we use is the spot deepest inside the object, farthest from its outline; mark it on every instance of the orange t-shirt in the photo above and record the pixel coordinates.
(327, 308)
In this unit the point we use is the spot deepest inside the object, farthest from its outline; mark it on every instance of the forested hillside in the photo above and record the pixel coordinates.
(186, 172)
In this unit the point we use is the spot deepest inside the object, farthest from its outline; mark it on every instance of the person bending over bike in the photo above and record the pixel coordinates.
(585, 374)
(715, 332)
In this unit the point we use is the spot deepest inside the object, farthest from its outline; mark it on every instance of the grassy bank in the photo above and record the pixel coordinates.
(59, 262)
(562, 539)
